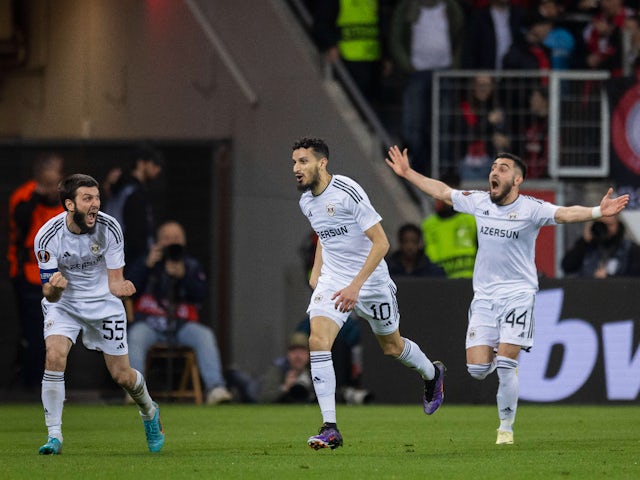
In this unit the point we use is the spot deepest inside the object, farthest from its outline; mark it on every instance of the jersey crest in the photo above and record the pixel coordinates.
(331, 209)
(95, 248)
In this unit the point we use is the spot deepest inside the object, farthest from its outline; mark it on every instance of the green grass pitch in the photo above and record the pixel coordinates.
(380, 442)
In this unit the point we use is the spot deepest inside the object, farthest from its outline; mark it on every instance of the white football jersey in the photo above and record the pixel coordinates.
(505, 262)
(340, 215)
(83, 259)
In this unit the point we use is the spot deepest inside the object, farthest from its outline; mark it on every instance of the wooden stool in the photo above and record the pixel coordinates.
(190, 373)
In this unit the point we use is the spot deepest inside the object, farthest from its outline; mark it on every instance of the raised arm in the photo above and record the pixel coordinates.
(608, 208)
(399, 163)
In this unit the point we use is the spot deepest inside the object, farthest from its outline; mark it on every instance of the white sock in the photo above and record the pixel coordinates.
(141, 396)
(324, 384)
(53, 393)
(507, 397)
(415, 358)
(480, 371)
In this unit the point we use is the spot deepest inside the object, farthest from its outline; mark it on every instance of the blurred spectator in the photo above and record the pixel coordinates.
(129, 202)
(490, 31)
(350, 30)
(30, 206)
(603, 251)
(450, 237)
(559, 41)
(528, 52)
(110, 179)
(171, 285)
(425, 37)
(583, 7)
(603, 37)
(536, 141)
(288, 379)
(347, 358)
(392, 80)
(475, 4)
(409, 259)
(481, 126)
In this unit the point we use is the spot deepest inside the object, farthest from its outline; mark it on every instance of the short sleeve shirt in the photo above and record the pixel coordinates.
(340, 215)
(505, 262)
(83, 259)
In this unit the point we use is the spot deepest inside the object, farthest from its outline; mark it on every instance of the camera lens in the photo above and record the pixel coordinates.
(174, 252)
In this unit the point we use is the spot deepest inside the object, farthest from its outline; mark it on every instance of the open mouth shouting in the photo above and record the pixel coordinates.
(494, 185)
(300, 182)
(91, 217)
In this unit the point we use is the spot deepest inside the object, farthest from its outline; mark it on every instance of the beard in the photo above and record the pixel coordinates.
(80, 220)
(501, 195)
(315, 179)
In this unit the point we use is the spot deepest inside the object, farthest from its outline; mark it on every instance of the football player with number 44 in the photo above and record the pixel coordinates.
(505, 280)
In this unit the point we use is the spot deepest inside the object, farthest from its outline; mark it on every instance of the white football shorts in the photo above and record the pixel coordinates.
(103, 323)
(507, 320)
(378, 305)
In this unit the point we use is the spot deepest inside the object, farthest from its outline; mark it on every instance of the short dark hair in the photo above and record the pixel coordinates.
(46, 161)
(316, 144)
(517, 160)
(535, 18)
(69, 186)
(409, 227)
(146, 152)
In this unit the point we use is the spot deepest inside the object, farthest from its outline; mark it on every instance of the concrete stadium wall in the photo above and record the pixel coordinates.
(120, 70)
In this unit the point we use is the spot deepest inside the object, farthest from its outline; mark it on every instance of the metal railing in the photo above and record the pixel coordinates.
(338, 68)
(556, 120)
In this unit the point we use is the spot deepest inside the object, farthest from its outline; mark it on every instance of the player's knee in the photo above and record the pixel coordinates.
(318, 342)
(480, 371)
(56, 359)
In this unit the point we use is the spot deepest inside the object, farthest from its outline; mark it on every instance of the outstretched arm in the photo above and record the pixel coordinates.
(608, 208)
(399, 163)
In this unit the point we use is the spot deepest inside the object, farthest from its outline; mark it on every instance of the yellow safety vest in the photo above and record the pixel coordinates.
(358, 23)
(451, 243)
